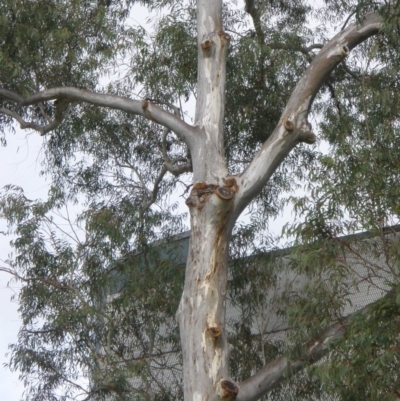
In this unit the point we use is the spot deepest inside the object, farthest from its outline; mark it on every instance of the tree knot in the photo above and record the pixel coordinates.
(207, 44)
(230, 182)
(214, 332)
(224, 193)
(224, 35)
(202, 191)
(145, 104)
(289, 125)
(227, 390)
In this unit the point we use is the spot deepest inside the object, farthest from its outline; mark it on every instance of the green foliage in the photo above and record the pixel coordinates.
(99, 298)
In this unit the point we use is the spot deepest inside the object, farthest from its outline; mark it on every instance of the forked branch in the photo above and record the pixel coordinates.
(66, 95)
(293, 126)
(60, 109)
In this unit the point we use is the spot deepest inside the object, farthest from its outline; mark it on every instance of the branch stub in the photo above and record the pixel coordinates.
(192, 201)
(224, 193)
(230, 182)
(207, 44)
(224, 35)
(288, 125)
(307, 137)
(228, 390)
(145, 104)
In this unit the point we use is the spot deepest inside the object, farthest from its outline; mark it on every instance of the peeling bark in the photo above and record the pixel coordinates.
(201, 312)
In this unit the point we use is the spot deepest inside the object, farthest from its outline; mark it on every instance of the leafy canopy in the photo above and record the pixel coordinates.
(114, 166)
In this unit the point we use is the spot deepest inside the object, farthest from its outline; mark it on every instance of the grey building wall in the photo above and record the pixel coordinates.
(369, 271)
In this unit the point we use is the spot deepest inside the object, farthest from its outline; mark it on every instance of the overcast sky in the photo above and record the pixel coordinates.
(20, 165)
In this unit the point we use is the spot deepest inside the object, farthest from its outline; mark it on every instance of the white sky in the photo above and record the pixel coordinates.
(20, 165)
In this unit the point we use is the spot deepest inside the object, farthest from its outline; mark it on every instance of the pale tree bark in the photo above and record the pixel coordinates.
(65, 95)
(201, 313)
(293, 126)
(216, 199)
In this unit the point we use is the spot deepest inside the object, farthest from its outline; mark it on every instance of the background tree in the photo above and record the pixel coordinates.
(89, 306)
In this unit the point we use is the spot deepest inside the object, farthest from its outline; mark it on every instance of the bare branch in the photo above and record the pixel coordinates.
(293, 126)
(282, 368)
(178, 169)
(39, 331)
(249, 5)
(43, 111)
(69, 94)
(156, 186)
(350, 72)
(313, 47)
(23, 124)
(255, 13)
(177, 111)
(60, 110)
(334, 98)
(347, 20)
(171, 164)
(297, 48)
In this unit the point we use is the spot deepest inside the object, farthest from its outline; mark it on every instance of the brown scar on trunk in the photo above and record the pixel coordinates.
(228, 390)
(214, 332)
(202, 191)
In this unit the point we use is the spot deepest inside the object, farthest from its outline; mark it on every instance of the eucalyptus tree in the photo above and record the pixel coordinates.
(254, 71)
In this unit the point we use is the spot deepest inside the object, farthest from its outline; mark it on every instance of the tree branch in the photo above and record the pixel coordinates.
(350, 72)
(297, 48)
(282, 368)
(146, 109)
(255, 13)
(313, 47)
(60, 109)
(178, 169)
(169, 163)
(348, 19)
(293, 126)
